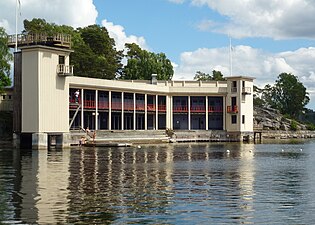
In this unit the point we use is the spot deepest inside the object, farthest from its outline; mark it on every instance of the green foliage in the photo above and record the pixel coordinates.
(257, 100)
(288, 95)
(216, 76)
(5, 58)
(95, 54)
(293, 125)
(142, 64)
(94, 51)
(311, 126)
(201, 76)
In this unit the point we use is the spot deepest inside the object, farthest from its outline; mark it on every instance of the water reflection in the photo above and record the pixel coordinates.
(164, 184)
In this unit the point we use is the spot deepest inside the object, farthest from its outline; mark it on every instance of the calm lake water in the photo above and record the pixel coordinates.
(160, 184)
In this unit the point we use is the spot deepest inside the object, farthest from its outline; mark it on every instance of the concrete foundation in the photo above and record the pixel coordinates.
(63, 140)
(39, 141)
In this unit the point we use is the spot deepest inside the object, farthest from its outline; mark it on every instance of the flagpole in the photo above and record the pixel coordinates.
(16, 24)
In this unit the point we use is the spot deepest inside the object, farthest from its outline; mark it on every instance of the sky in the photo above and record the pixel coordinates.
(268, 37)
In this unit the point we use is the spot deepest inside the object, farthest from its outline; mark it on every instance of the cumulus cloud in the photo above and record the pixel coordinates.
(118, 33)
(53, 11)
(248, 61)
(264, 18)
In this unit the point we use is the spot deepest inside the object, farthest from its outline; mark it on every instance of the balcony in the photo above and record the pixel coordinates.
(198, 108)
(180, 109)
(215, 109)
(64, 70)
(232, 109)
(57, 40)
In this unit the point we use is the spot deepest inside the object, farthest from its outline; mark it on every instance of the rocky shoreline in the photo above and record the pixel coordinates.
(280, 134)
(274, 125)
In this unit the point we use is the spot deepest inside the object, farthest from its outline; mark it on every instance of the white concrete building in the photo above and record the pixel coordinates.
(49, 107)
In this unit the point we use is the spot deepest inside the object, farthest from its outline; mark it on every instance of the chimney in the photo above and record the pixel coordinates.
(154, 78)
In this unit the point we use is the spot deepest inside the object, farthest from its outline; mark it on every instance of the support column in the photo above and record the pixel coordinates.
(96, 109)
(122, 110)
(134, 111)
(224, 113)
(39, 141)
(82, 108)
(63, 140)
(156, 112)
(145, 112)
(207, 114)
(109, 110)
(189, 119)
(169, 112)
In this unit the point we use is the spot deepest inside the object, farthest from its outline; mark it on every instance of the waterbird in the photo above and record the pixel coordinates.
(139, 146)
(282, 150)
(227, 151)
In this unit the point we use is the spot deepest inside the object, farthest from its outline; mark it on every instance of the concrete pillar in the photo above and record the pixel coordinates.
(157, 112)
(207, 114)
(109, 110)
(169, 112)
(82, 108)
(145, 112)
(134, 111)
(63, 140)
(224, 113)
(39, 141)
(122, 110)
(16, 140)
(189, 119)
(96, 109)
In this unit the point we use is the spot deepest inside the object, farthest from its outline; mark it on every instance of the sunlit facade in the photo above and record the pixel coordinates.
(49, 106)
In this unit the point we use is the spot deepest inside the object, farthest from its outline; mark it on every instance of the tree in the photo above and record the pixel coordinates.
(5, 58)
(201, 76)
(216, 76)
(142, 64)
(94, 51)
(95, 54)
(288, 95)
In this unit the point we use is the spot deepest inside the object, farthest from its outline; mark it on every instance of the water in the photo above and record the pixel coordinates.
(160, 184)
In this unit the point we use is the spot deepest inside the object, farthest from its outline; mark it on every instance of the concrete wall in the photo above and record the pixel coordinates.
(44, 94)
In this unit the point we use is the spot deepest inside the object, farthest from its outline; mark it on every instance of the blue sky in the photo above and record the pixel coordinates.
(268, 36)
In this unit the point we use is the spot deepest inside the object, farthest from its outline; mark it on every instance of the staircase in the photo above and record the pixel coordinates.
(75, 114)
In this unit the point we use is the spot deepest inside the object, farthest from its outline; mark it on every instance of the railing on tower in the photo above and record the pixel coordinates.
(58, 40)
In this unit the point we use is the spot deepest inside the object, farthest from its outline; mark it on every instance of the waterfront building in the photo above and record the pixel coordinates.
(51, 101)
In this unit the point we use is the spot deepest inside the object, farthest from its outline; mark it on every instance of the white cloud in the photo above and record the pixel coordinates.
(67, 12)
(118, 33)
(278, 19)
(247, 61)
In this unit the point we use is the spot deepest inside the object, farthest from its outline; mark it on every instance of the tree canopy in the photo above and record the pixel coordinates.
(142, 64)
(288, 95)
(95, 54)
(94, 51)
(5, 58)
(216, 76)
